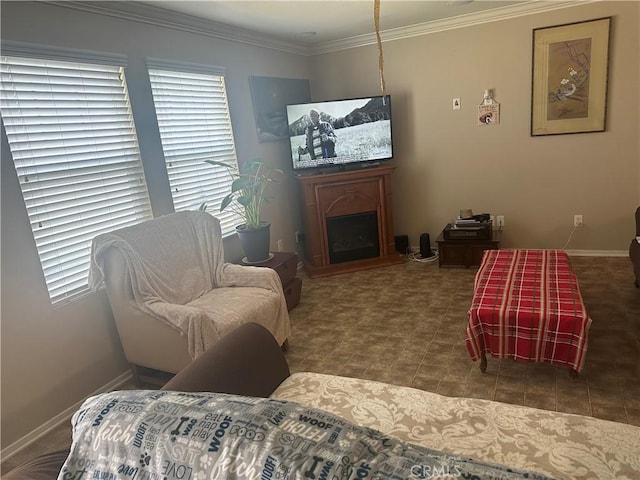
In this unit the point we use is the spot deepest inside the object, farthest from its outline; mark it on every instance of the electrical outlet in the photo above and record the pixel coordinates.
(493, 221)
(280, 246)
(500, 220)
(577, 221)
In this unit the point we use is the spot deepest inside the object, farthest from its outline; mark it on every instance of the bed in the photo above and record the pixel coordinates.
(556, 444)
(527, 306)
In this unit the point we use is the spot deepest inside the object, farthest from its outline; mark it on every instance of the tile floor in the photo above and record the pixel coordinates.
(405, 324)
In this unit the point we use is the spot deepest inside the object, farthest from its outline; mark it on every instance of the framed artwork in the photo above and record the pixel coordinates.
(270, 97)
(569, 84)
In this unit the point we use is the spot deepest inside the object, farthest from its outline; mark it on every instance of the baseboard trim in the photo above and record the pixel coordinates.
(571, 253)
(597, 253)
(59, 419)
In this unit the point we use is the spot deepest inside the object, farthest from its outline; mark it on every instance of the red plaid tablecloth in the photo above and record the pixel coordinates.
(527, 306)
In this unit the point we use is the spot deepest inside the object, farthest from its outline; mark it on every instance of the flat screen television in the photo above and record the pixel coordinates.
(340, 134)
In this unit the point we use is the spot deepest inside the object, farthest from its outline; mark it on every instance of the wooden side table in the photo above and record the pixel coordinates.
(464, 252)
(286, 266)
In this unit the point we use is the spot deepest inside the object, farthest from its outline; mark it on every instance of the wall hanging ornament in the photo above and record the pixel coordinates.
(488, 110)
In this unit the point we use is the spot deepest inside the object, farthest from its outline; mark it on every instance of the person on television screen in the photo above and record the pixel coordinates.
(321, 138)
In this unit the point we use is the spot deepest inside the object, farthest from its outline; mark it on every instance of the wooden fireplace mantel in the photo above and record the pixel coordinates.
(346, 193)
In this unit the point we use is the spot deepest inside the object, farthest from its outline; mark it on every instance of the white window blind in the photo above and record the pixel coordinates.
(70, 129)
(194, 122)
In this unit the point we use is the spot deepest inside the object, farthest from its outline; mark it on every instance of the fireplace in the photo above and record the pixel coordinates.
(353, 237)
(348, 224)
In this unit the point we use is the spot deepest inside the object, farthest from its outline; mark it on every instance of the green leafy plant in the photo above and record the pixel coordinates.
(247, 190)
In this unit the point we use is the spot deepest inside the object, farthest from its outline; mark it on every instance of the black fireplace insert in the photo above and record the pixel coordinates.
(353, 237)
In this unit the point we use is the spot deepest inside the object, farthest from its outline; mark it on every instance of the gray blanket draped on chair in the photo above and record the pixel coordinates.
(176, 277)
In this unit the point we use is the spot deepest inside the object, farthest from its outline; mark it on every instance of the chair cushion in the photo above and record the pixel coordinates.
(233, 306)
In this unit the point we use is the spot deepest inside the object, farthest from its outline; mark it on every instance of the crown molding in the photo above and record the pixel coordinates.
(531, 7)
(153, 15)
(161, 17)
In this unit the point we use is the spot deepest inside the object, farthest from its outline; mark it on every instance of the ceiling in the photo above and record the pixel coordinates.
(312, 22)
(310, 27)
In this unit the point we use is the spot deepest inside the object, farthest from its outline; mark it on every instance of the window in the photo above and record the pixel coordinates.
(70, 129)
(193, 118)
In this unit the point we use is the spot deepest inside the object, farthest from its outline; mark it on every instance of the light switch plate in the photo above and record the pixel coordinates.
(456, 103)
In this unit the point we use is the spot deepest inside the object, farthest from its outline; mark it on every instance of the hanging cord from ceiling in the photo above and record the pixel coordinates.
(376, 19)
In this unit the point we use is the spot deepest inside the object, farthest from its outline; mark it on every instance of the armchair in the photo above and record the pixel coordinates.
(173, 296)
(634, 250)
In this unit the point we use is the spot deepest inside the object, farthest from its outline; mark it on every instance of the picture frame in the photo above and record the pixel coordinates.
(270, 96)
(569, 78)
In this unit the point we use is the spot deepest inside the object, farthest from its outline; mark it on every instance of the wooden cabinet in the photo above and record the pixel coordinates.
(463, 253)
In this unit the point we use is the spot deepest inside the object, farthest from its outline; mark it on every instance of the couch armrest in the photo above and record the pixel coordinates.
(250, 276)
(248, 361)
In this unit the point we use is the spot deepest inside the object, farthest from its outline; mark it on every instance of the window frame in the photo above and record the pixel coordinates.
(213, 183)
(129, 167)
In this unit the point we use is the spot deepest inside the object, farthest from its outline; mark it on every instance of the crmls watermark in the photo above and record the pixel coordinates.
(429, 471)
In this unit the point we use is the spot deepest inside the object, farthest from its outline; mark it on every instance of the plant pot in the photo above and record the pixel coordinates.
(255, 242)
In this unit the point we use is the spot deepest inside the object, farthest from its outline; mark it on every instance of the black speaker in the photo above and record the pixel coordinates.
(402, 244)
(425, 245)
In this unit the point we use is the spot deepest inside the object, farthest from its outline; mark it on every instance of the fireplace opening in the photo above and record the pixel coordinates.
(353, 237)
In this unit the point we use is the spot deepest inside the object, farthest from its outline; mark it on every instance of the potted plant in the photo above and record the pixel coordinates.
(246, 199)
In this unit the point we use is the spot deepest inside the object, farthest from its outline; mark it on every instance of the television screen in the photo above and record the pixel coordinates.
(340, 133)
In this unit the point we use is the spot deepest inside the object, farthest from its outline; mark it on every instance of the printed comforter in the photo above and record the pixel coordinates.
(182, 436)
